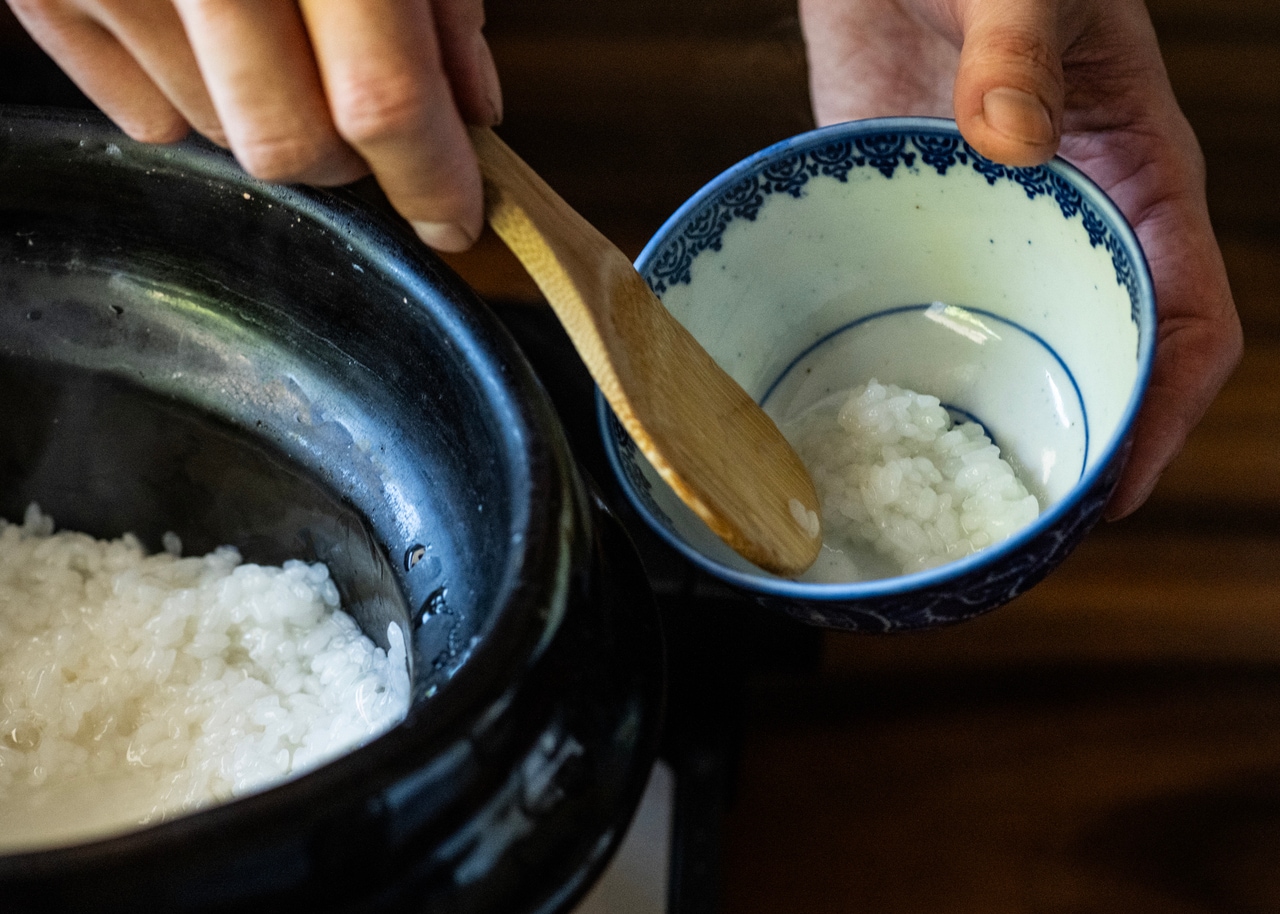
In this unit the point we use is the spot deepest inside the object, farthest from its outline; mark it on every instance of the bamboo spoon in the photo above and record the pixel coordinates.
(707, 438)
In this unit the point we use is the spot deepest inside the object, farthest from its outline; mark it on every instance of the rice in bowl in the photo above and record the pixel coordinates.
(903, 488)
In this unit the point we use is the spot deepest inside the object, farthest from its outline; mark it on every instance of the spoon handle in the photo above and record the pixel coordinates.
(577, 268)
(699, 429)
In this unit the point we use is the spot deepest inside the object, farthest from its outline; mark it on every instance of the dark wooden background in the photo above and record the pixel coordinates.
(1111, 741)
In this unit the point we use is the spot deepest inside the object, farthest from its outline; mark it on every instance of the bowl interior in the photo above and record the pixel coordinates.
(890, 250)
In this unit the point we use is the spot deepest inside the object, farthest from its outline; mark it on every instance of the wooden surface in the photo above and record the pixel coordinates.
(1111, 741)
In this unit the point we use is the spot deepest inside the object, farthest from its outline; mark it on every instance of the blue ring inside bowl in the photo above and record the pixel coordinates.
(882, 144)
(951, 408)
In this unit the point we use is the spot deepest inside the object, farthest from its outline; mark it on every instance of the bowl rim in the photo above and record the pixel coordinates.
(763, 583)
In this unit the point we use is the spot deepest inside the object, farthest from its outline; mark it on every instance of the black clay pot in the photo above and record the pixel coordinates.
(184, 348)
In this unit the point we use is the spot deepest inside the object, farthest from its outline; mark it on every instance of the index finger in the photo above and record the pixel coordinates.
(384, 75)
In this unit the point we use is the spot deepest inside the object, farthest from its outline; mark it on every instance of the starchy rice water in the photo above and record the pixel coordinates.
(902, 487)
(135, 688)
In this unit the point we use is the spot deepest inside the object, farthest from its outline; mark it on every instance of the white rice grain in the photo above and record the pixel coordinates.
(135, 687)
(903, 489)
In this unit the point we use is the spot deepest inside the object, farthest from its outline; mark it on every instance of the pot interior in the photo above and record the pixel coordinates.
(184, 349)
(103, 455)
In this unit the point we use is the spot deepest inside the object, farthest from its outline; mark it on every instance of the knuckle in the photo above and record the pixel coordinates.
(1233, 342)
(1195, 163)
(1028, 48)
(211, 129)
(285, 157)
(156, 129)
(373, 109)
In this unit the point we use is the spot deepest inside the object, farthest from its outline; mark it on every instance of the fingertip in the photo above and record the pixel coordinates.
(1010, 126)
(1125, 500)
(1159, 436)
(450, 237)
(432, 178)
(435, 184)
(1018, 127)
(338, 167)
(155, 127)
(214, 134)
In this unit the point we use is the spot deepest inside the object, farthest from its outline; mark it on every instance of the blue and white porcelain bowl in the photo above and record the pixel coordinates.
(890, 249)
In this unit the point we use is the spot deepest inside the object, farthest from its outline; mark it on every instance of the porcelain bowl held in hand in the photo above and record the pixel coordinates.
(890, 250)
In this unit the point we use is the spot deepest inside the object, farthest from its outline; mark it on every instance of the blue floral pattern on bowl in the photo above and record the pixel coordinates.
(884, 153)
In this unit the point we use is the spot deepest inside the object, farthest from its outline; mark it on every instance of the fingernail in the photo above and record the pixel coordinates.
(489, 77)
(1018, 115)
(443, 236)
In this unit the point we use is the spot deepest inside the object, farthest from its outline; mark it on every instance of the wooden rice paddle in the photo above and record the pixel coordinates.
(701, 431)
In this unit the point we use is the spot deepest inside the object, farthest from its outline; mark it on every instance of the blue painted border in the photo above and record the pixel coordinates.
(672, 262)
(1062, 515)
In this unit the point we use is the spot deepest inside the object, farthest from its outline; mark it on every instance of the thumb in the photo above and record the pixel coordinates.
(1009, 88)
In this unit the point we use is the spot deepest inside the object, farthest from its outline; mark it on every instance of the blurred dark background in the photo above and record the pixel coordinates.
(1108, 743)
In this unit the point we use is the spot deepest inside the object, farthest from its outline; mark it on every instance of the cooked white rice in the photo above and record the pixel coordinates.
(903, 489)
(136, 687)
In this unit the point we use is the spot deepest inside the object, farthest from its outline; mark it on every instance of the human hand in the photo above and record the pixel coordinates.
(318, 91)
(1025, 79)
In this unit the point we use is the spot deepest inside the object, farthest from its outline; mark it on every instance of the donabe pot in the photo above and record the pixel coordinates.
(184, 348)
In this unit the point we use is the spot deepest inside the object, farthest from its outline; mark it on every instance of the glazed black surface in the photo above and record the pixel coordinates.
(183, 348)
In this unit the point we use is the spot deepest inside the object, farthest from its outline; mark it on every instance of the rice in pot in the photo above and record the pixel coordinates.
(135, 687)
